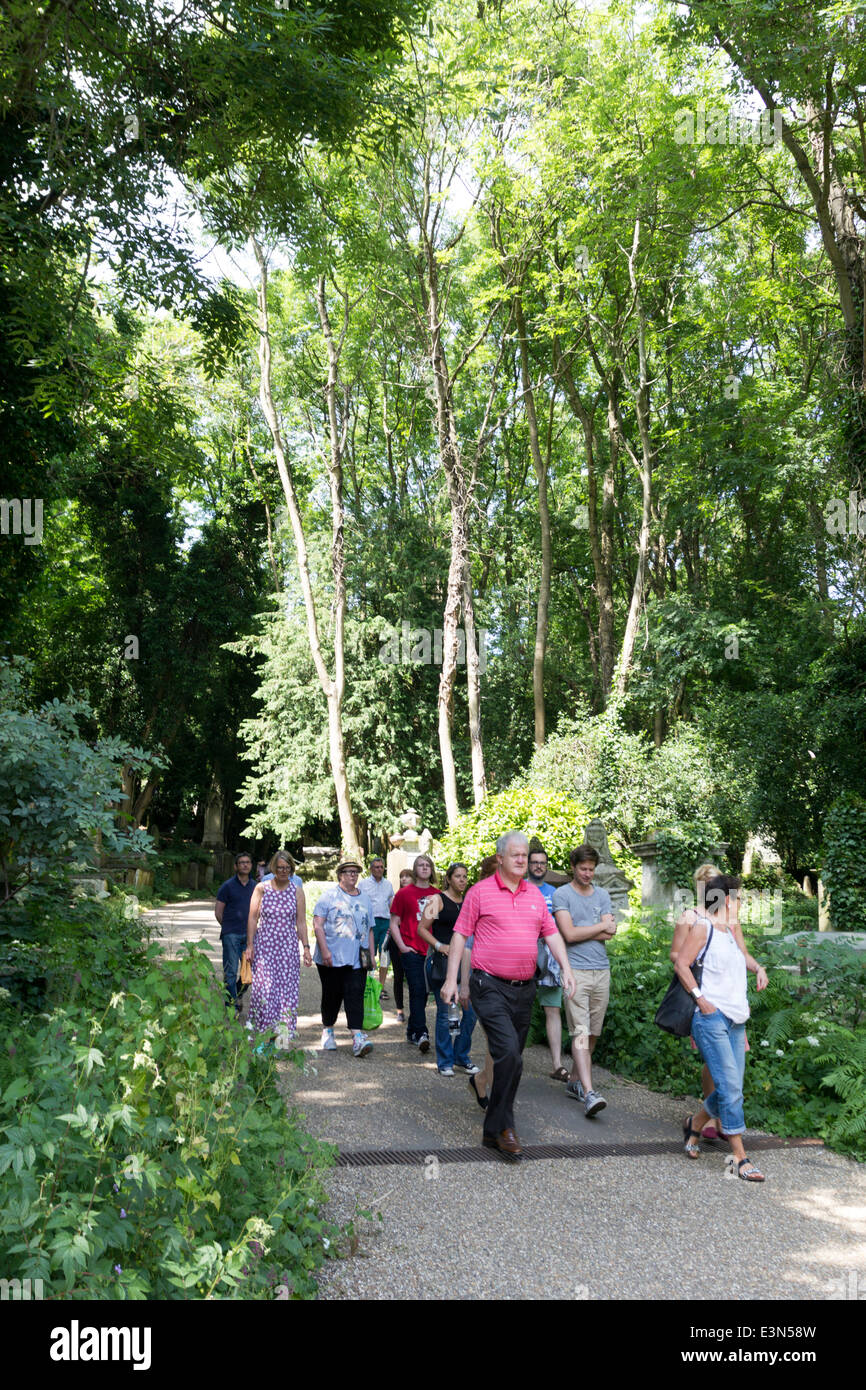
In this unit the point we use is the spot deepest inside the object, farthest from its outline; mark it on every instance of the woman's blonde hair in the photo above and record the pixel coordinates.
(281, 854)
(702, 877)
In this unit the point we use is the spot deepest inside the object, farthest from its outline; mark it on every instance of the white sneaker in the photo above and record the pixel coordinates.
(361, 1046)
(329, 1042)
(446, 1071)
(470, 1069)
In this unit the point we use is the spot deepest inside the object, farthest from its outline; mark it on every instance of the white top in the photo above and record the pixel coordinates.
(723, 982)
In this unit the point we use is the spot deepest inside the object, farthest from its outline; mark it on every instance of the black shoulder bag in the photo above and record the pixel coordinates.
(677, 1009)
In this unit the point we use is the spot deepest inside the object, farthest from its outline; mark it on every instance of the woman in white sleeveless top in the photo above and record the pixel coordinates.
(685, 922)
(719, 1024)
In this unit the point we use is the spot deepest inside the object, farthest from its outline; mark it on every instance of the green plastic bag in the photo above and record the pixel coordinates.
(372, 1008)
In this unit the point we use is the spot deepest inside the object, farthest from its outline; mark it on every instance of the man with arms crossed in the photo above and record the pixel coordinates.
(584, 915)
(506, 915)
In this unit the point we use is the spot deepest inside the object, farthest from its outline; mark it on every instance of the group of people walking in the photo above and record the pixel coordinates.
(481, 952)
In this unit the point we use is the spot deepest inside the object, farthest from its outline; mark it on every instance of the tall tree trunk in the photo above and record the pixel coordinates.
(819, 531)
(332, 689)
(541, 470)
(473, 683)
(644, 467)
(600, 519)
(459, 568)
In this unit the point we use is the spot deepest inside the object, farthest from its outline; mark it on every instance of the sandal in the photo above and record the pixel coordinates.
(692, 1150)
(383, 994)
(748, 1172)
(559, 1075)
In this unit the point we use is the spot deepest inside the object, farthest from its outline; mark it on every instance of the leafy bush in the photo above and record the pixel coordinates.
(844, 838)
(799, 913)
(56, 787)
(558, 821)
(634, 786)
(52, 943)
(147, 1153)
(830, 975)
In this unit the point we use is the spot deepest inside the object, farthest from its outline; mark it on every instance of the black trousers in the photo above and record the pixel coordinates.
(341, 984)
(506, 1013)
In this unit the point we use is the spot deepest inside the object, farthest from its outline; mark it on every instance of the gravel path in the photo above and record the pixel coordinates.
(589, 1228)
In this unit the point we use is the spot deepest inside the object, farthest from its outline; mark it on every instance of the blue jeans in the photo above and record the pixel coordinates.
(233, 949)
(722, 1044)
(416, 979)
(448, 1052)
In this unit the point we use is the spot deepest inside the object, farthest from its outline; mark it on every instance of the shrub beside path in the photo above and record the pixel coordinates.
(632, 1227)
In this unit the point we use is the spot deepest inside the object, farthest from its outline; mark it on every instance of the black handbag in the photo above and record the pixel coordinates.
(365, 958)
(437, 967)
(677, 1009)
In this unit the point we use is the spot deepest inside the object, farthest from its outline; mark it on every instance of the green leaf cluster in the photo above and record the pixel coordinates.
(146, 1152)
(557, 821)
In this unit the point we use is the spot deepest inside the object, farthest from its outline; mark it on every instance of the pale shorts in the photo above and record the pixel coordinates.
(586, 1008)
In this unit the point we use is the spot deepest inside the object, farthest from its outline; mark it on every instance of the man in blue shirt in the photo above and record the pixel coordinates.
(232, 910)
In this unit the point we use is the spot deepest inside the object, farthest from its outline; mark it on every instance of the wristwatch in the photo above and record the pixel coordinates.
(696, 992)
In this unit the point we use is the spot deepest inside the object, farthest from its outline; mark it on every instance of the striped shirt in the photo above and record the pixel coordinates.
(506, 925)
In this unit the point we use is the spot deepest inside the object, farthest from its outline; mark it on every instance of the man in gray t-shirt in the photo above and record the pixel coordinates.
(584, 916)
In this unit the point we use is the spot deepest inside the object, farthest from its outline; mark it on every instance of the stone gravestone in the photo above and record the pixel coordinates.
(607, 875)
(407, 844)
(214, 814)
(653, 892)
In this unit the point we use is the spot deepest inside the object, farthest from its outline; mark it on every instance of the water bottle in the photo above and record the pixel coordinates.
(453, 1018)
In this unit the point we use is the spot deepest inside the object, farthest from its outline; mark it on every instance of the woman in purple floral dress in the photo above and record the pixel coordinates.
(277, 926)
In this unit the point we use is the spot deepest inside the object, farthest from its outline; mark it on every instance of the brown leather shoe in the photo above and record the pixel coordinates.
(507, 1143)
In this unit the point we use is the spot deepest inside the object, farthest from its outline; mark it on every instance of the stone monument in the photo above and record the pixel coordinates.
(607, 875)
(666, 896)
(407, 844)
(214, 815)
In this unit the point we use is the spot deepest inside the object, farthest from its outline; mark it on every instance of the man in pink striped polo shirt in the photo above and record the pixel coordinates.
(506, 915)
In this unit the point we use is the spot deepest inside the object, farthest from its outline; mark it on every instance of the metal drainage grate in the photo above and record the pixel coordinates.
(407, 1158)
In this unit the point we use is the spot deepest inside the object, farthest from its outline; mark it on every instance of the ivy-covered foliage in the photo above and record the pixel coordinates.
(844, 840)
(682, 848)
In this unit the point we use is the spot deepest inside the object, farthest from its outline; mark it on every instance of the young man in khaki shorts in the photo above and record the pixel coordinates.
(584, 916)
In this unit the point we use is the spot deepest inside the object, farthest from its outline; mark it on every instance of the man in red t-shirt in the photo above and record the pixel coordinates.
(406, 908)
